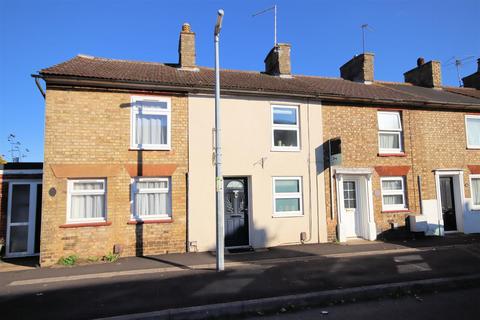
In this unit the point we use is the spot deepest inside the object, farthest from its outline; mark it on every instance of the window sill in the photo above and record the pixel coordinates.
(397, 211)
(149, 149)
(289, 215)
(86, 224)
(473, 148)
(150, 221)
(400, 154)
(286, 149)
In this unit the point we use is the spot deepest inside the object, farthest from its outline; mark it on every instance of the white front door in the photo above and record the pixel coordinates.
(21, 218)
(351, 207)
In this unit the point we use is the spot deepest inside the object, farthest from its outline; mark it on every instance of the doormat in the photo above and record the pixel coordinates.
(240, 250)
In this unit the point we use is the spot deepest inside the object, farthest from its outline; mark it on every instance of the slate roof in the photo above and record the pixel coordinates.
(94, 68)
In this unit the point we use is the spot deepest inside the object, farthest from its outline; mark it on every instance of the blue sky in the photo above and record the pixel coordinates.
(324, 35)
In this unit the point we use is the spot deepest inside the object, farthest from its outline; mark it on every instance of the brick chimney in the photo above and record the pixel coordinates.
(186, 48)
(426, 74)
(473, 80)
(277, 62)
(359, 68)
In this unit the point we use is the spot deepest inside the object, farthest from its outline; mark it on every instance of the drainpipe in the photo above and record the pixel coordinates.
(309, 180)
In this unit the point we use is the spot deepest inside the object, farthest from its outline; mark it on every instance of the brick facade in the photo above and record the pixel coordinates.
(433, 139)
(90, 130)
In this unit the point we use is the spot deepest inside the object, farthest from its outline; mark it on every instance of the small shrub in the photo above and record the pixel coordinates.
(111, 257)
(68, 261)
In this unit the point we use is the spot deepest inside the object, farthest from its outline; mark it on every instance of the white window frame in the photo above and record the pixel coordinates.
(394, 207)
(71, 192)
(398, 132)
(289, 195)
(285, 127)
(470, 146)
(473, 176)
(134, 215)
(135, 110)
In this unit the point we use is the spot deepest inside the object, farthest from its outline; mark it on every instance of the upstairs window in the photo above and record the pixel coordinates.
(86, 201)
(285, 129)
(472, 124)
(389, 132)
(150, 123)
(393, 194)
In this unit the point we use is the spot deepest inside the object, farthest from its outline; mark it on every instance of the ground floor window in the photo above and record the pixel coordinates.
(393, 193)
(86, 200)
(287, 196)
(152, 198)
(475, 189)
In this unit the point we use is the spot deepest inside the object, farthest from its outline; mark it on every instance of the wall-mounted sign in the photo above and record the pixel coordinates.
(335, 151)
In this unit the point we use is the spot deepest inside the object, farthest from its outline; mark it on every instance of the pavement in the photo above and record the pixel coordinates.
(187, 284)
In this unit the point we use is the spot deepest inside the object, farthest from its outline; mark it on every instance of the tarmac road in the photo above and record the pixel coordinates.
(144, 292)
(454, 305)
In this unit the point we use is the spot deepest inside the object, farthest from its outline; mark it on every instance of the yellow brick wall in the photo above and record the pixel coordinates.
(93, 127)
(432, 139)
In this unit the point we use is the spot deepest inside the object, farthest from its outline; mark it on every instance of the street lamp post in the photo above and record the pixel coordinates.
(218, 151)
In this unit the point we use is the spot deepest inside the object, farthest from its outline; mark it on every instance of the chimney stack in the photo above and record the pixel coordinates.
(277, 62)
(473, 80)
(426, 74)
(186, 48)
(359, 68)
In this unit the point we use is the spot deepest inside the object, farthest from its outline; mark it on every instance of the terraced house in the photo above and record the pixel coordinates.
(129, 150)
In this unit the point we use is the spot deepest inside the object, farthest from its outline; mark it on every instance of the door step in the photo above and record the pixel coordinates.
(239, 250)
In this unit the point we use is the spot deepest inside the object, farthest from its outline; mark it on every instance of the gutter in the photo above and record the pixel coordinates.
(39, 86)
(127, 84)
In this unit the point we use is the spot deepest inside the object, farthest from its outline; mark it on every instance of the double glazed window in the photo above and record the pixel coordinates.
(287, 196)
(150, 123)
(393, 193)
(285, 128)
(475, 189)
(472, 124)
(86, 200)
(389, 132)
(151, 198)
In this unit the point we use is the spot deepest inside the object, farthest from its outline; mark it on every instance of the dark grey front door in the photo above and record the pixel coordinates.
(236, 212)
(448, 204)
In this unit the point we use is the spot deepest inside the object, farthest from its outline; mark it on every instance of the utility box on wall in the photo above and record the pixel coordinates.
(335, 145)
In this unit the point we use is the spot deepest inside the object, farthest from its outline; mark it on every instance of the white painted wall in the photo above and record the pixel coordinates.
(471, 218)
(431, 221)
(246, 139)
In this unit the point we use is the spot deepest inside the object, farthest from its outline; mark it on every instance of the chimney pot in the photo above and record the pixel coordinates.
(426, 74)
(277, 62)
(186, 27)
(360, 68)
(420, 61)
(186, 48)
